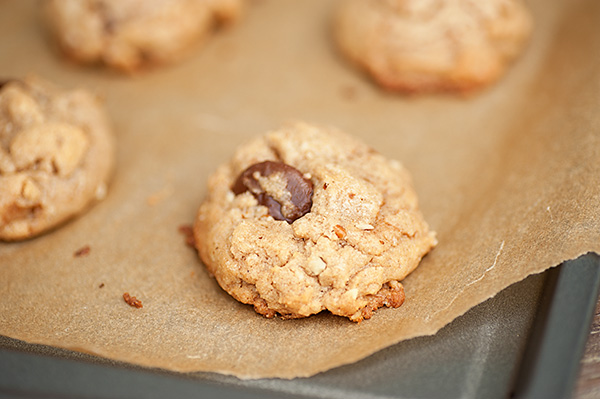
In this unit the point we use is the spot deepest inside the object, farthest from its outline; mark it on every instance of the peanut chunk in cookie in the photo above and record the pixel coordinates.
(53, 147)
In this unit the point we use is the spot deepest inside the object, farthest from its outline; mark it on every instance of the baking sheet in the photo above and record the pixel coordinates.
(492, 352)
(476, 355)
(506, 178)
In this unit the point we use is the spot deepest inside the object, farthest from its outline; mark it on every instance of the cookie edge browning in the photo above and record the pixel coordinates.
(390, 295)
(98, 161)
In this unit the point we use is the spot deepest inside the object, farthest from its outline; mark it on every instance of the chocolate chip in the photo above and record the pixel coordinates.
(279, 187)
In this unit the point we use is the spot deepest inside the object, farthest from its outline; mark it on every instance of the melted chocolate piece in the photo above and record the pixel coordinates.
(299, 188)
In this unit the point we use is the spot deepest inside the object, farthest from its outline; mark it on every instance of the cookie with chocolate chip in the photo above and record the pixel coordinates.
(432, 45)
(305, 219)
(56, 155)
(132, 34)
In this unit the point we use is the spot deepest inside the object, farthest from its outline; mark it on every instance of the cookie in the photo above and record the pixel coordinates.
(56, 155)
(432, 45)
(131, 34)
(305, 219)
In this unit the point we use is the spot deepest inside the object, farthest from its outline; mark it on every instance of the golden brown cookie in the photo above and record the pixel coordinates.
(305, 219)
(130, 34)
(432, 45)
(56, 155)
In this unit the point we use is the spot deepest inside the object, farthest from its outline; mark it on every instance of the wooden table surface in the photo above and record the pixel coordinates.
(588, 382)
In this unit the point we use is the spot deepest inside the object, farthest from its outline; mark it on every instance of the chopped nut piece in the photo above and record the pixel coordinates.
(30, 190)
(315, 266)
(83, 251)
(132, 301)
(339, 231)
(57, 147)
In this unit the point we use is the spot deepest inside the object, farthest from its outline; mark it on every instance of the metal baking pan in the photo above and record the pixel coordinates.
(526, 342)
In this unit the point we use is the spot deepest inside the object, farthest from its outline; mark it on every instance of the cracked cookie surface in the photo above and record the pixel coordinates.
(56, 155)
(346, 252)
(131, 34)
(432, 45)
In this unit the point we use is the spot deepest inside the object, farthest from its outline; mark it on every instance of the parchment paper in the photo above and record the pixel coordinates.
(508, 178)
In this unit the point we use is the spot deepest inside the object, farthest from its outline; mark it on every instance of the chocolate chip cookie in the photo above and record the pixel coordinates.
(432, 45)
(131, 34)
(56, 155)
(305, 219)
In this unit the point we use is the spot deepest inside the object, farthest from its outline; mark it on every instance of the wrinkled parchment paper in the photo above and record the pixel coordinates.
(508, 178)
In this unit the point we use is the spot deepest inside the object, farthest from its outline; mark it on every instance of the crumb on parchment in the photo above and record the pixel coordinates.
(188, 232)
(132, 301)
(83, 251)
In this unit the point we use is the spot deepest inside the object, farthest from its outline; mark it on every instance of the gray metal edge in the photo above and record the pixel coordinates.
(555, 347)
